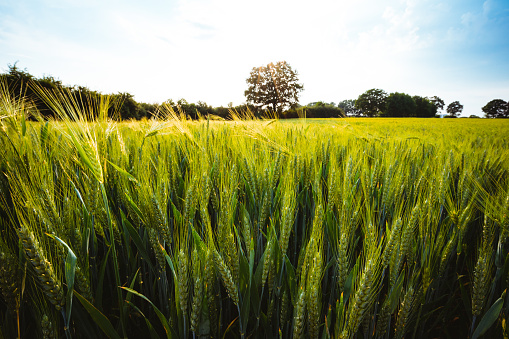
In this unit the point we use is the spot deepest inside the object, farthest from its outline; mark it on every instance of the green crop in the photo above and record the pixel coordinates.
(342, 228)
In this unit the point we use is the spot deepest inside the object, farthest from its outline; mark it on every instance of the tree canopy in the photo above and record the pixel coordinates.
(496, 108)
(399, 105)
(425, 107)
(438, 102)
(454, 108)
(371, 102)
(348, 106)
(275, 86)
(20, 82)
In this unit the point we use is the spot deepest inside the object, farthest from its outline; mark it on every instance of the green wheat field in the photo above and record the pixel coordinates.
(250, 228)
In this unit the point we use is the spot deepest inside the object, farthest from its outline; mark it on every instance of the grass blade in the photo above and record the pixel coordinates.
(160, 315)
(70, 271)
(100, 319)
(490, 317)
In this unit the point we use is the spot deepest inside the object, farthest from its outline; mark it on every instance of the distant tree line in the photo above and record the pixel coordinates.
(22, 83)
(122, 105)
(317, 109)
(377, 103)
(273, 91)
(276, 87)
(201, 109)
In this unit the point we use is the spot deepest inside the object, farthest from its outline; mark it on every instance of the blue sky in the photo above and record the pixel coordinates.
(204, 50)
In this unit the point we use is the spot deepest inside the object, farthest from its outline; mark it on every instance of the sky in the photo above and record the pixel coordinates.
(204, 50)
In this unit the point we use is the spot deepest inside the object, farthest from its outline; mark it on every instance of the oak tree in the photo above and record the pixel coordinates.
(438, 102)
(454, 108)
(371, 102)
(497, 108)
(275, 86)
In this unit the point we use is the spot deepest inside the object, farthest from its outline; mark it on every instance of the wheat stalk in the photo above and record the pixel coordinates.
(44, 269)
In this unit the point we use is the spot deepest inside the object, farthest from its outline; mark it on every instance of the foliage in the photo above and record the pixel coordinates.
(274, 86)
(371, 102)
(23, 84)
(228, 112)
(190, 110)
(496, 108)
(425, 108)
(399, 105)
(129, 107)
(348, 106)
(438, 102)
(454, 108)
(314, 110)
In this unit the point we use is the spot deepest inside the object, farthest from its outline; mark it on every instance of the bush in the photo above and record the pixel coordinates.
(327, 111)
